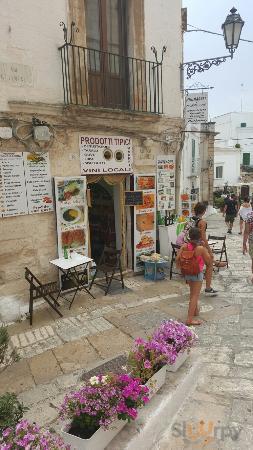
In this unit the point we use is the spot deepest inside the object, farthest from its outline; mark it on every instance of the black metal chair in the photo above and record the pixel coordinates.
(175, 249)
(39, 290)
(222, 250)
(109, 265)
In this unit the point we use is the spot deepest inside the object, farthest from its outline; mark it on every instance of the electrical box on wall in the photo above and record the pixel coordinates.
(5, 132)
(41, 133)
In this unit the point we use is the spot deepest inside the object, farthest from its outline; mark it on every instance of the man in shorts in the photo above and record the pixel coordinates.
(230, 211)
(248, 237)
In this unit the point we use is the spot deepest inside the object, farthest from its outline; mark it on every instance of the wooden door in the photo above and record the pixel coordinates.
(106, 43)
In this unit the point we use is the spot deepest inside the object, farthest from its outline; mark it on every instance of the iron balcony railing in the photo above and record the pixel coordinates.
(96, 78)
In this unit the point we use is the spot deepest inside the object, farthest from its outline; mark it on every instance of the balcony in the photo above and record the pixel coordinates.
(106, 80)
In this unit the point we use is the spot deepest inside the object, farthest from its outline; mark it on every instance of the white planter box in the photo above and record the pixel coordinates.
(156, 381)
(182, 356)
(98, 441)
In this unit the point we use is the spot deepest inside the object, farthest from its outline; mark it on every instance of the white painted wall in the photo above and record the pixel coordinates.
(163, 27)
(231, 132)
(30, 36)
(229, 159)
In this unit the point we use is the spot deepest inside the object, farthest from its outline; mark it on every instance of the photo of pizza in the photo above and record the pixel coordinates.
(148, 202)
(145, 242)
(145, 182)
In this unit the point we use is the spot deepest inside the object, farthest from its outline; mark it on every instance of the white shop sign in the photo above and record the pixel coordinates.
(105, 154)
(196, 107)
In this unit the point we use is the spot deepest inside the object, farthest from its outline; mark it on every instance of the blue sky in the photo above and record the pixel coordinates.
(228, 93)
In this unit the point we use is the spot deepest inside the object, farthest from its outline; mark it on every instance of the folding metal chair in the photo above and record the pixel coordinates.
(39, 290)
(109, 265)
(222, 250)
(175, 249)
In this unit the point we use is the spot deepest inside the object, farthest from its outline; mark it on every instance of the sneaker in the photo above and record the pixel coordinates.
(229, 231)
(240, 232)
(211, 292)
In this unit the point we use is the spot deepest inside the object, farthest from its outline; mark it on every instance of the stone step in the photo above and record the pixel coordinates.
(158, 415)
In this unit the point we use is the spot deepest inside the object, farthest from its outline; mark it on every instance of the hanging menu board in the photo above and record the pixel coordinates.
(165, 183)
(38, 183)
(144, 219)
(185, 205)
(25, 184)
(12, 185)
(71, 214)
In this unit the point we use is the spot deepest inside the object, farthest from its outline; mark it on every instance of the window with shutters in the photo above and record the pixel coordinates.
(219, 172)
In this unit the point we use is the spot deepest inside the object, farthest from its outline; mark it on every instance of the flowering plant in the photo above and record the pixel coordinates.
(176, 335)
(101, 401)
(148, 357)
(29, 436)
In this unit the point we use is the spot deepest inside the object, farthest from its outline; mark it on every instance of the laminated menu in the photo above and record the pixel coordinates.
(25, 184)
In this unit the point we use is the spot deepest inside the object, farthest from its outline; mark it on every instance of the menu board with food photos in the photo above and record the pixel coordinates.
(25, 183)
(71, 214)
(186, 208)
(166, 182)
(144, 219)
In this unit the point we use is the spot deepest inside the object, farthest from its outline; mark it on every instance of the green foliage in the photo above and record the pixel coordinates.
(219, 202)
(7, 356)
(11, 410)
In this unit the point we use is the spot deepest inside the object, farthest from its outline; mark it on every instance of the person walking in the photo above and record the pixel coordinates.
(191, 259)
(248, 238)
(230, 211)
(244, 210)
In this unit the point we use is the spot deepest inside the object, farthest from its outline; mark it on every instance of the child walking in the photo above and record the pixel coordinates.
(191, 258)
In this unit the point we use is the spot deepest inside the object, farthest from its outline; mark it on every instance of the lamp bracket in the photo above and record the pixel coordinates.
(203, 64)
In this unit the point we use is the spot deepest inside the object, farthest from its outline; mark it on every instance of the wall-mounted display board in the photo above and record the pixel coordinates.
(165, 183)
(144, 219)
(25, 184)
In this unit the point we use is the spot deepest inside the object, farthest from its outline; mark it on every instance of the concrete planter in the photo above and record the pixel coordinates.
(182, 356)
(98, 441)
(156, 381)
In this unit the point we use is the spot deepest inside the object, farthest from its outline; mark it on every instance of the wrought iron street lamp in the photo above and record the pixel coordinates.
(232, 28)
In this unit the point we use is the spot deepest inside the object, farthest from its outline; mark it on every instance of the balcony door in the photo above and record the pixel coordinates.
(106, 43)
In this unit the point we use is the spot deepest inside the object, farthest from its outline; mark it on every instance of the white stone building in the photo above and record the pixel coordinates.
(104, 81)
(236, 128)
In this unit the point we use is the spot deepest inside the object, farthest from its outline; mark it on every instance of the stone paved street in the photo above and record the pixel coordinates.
(55, 352)
(219, 413)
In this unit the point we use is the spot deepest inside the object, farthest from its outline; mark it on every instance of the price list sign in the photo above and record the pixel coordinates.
(12, 185)
(25, 184)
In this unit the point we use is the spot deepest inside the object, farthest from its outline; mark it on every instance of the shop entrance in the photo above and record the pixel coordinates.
(104, 218)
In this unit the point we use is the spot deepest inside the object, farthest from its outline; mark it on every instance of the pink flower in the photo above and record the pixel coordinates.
(147, 364)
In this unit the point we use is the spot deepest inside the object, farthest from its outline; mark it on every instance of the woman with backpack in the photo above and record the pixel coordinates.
(191, 259)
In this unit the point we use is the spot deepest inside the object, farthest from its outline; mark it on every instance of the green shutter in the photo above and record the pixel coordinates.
(246, 159)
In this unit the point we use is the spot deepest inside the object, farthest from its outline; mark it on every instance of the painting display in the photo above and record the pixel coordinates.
(144, 219)
(71, 214)
(165, 183)
(185, 205)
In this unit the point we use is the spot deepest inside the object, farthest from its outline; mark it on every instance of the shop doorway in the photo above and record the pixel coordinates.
(104, 218)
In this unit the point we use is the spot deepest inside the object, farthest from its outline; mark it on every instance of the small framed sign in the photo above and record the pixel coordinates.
(133, 198)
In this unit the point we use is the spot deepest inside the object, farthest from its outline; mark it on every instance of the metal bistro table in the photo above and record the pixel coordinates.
(69, 268)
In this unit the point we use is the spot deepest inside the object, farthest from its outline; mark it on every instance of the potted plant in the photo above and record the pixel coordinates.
(26, 436)
(179, 338)
(11, 410)
(100, 409)
(147, 361)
